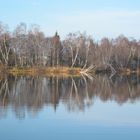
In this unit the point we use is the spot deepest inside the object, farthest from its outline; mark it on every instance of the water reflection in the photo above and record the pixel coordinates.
(31, 94)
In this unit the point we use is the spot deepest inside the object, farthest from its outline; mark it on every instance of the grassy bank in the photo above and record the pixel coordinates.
(60, 71)
(126, 71)
(47, 71)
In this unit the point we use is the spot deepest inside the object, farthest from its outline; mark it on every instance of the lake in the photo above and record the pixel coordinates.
(72, 108)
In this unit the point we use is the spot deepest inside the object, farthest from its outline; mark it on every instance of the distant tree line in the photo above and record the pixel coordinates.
(30, 47)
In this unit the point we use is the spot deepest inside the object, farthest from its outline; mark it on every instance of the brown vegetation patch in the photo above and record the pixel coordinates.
(46, 71)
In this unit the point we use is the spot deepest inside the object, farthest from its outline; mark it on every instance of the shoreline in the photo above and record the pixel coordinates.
(62, 71)
(45, 71)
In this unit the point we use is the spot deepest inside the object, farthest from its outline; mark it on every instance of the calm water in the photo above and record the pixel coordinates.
(34, 108)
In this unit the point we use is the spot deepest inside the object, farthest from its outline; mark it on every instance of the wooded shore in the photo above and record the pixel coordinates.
(32, 52)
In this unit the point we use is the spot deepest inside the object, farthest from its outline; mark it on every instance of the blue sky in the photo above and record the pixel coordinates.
(98, 18)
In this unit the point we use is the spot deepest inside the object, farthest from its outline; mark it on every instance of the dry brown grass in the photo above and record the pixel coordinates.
(46, 71)
(58, 71)
(126, 71)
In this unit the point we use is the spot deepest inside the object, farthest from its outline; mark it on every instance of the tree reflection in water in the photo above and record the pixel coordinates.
(31, 94)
